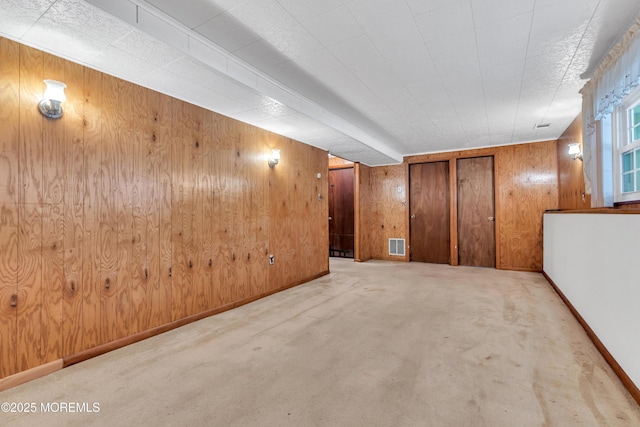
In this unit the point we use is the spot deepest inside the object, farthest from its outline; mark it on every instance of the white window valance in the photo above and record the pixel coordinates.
(617, 75)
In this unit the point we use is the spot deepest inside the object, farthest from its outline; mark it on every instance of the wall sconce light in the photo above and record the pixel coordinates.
(274, 159)
(51, 104)
(574, 150)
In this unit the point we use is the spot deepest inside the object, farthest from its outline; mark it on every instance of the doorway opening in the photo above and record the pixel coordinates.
(341, 208)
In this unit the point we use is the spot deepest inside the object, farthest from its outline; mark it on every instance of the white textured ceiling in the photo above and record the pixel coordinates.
(368, 80)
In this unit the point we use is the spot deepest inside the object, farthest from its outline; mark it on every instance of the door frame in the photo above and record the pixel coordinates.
(452, 157)
(493, 175)
(411, 207)
(356, 229)
(340, 163)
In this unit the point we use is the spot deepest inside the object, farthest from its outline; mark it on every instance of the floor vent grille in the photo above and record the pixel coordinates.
(396, 247)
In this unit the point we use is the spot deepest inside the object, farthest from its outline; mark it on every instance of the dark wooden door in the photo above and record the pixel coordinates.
(429, 198)
(476, 222)
(341, 217)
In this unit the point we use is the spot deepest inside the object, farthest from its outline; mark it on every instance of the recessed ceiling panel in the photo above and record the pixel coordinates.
(304, 10)
(375, 14)
(487, 12)
(333, 27)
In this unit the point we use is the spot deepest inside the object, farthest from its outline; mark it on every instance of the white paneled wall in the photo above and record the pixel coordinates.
(594, 260)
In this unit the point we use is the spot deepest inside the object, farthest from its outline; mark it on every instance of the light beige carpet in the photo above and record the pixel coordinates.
(372, 344)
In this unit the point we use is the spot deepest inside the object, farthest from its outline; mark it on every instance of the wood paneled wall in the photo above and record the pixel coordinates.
(526, 185)
(135, 210)
(571, 190)
(570, 175)
(383, 210)
(339, 162)
(363, 197)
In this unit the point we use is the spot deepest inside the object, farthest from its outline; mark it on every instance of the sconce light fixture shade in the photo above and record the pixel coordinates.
(51, 104)
(574, 150)
(274, 159)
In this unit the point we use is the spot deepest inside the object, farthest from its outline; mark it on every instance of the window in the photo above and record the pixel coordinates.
(631, 171)
(627, 157)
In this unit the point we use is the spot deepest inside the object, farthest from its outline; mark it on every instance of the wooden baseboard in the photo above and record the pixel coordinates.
(30, 374)
(626, 381)
(525, 269)
(40, 371)
(105, 348)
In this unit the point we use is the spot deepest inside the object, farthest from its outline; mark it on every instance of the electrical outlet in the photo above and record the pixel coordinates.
(272, 259)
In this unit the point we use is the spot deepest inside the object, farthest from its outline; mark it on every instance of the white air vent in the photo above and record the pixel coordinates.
(396, 247)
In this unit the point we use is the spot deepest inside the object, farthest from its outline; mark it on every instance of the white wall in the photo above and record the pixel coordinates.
(594, 259)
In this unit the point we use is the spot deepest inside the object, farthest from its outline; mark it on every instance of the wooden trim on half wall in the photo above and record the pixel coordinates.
(624, 378)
